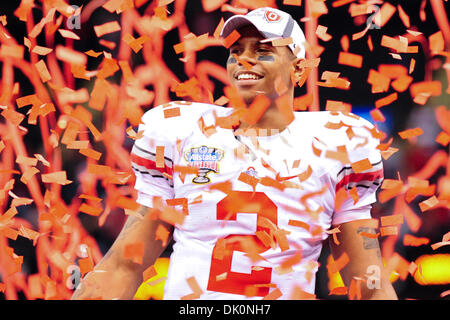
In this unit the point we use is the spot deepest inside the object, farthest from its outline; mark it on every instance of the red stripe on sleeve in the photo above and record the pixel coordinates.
(149, 164)
(357, 177)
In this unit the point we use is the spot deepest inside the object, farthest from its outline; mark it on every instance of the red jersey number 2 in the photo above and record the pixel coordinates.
(236, 282)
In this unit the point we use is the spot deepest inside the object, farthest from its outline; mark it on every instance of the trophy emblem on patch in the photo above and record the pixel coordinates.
(206, 159)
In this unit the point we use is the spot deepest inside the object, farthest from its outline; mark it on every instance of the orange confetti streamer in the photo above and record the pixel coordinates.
(377, 115)
(171, 112)
(391, 220)
(68, 34)
(297, 3)
(172, 216)
(384, 14)
(410, 133)
(126, 203)
(403, 16)
(436, 42)
(235, 10)
(106, 28)
(231, 38)
(134, 251)
(379, 81)
(303, 102)
(58, 177)
(338, 264)
(160, 157)
(43, 71)
(386, 100)
(339, 291)
(388, 231)
(354, 291)
(297, 223)
(443, 138)
(219, 28)
(256, 109)
(13, 116)
(402, 83)
(350, 59)
(197, 291)
(149, 273)
(70, 56)
(162, 234)
(28, 174)
(410, 240)
(91, 210)
(322, 34)
(361, 166)
(212, 5)
(428, 204)
(398, 45)
(369, 235)
(273, 295)
(433, 88)
(285, 108)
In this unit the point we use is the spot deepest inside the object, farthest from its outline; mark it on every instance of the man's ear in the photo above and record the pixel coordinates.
(297, 70)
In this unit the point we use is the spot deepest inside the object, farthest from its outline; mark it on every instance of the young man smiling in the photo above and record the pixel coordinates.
(267, 66)
(266, 191)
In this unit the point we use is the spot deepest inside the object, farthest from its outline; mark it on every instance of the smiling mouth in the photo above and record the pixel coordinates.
(245, 76)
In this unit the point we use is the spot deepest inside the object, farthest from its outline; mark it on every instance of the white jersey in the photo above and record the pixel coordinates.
(255, 220)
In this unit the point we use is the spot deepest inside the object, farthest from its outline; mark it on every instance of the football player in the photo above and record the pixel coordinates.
(250, 192)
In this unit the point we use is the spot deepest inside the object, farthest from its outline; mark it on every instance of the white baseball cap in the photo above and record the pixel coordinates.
(271, 23)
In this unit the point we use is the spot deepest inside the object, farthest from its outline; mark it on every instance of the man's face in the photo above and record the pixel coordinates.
(253, 67)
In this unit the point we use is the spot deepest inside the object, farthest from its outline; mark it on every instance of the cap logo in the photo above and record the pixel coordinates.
(272, 16)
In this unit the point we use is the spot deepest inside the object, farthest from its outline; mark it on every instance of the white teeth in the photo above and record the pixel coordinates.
(247, 76)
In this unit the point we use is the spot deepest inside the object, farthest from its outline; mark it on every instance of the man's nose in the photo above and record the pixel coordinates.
(247, 56)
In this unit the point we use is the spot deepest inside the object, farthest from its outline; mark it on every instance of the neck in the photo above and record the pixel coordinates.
(276, 117)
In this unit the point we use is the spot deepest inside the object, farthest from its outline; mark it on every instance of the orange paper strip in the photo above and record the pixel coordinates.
(428, 204)
(386, 100)
(106, 28)
(392, 220)
(350, 59)
(388, 231)
(58, 177)
(361, 166)
(410, 133)
(231, 38)
(340, 263)
(134, 251)
(43, 71)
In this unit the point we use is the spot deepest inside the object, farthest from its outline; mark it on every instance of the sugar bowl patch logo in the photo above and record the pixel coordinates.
(206, 159)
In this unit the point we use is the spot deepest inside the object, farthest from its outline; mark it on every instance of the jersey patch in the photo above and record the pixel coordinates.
(206, 159)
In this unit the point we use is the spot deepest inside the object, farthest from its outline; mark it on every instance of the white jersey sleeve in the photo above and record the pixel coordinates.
(154, 154)
(358, 180)
(153, 176)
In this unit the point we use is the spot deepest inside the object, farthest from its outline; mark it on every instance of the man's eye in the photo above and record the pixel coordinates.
(264, 50)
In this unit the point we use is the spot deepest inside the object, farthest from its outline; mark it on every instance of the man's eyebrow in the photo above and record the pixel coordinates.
(265, 44)
(257, 44)
(234, 45)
